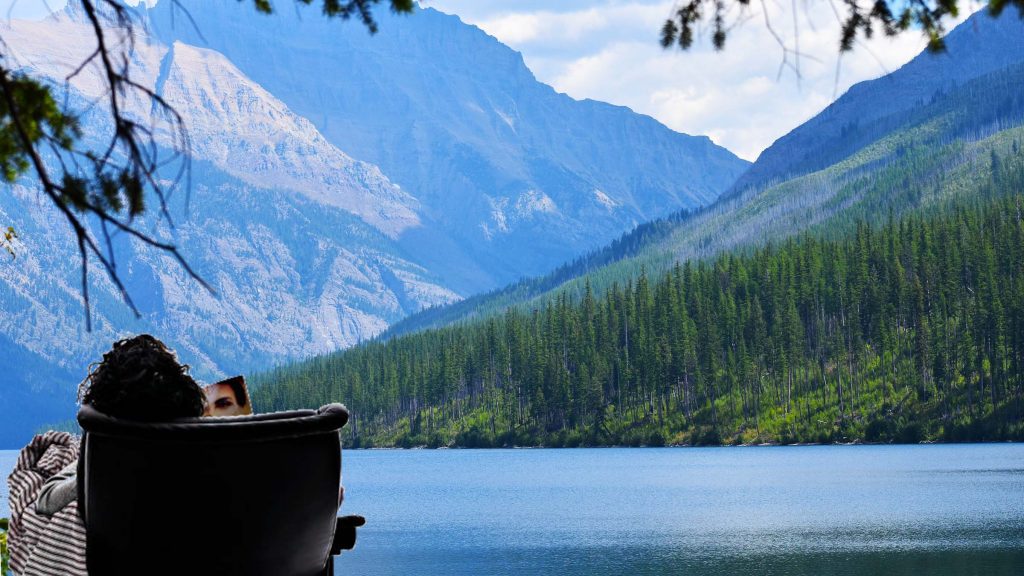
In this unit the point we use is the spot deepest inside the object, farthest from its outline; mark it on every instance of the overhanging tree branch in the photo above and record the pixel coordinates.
(862, 19)
(109, 183)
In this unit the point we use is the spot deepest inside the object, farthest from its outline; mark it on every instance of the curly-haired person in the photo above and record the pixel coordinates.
(139, 379)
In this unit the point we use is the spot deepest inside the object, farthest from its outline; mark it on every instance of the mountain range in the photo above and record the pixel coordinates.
(862, 281)
(340, 181)
(861, 157)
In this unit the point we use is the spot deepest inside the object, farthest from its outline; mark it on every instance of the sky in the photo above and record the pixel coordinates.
(743, 98)
(608, 50)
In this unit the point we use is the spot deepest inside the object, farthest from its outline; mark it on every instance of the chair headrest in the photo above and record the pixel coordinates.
(260, 427)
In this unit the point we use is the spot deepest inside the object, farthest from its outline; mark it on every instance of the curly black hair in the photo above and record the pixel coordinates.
(141, 379)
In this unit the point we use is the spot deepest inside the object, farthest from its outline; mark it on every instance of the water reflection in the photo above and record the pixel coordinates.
(953, 509)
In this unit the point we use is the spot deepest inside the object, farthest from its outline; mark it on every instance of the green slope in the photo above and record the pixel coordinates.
(773, 345)
(907, 329)
(910, 331)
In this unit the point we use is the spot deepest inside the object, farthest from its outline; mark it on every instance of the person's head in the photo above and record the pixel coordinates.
(140, 379)
(227, 398)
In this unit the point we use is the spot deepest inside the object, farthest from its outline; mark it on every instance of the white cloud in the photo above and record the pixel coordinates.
(608, 50)
(569, 31)
(515, 28)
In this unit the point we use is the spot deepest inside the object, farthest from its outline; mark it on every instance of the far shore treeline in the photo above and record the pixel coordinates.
(904, 331)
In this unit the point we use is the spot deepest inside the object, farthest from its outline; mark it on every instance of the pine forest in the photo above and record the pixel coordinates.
(908, 330)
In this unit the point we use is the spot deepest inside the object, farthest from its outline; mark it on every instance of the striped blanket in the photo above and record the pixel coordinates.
(40, 545)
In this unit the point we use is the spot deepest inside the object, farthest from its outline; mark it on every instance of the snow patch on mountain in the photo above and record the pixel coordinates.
(534, 202)
(605, 200)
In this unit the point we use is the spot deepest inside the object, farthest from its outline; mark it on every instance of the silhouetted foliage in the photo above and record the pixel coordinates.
(861, 19)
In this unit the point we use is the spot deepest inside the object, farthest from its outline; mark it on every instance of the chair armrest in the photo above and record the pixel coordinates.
(345, 533)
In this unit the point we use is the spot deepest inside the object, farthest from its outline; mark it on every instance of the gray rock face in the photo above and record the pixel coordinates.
(340, 182)
(297, 238)
(513, 178)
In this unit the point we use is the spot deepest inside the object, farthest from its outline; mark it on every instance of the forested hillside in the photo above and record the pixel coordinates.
(906, 330)
(857, 301)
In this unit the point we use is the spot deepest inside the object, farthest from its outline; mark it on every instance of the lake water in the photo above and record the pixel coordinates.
(793, 511)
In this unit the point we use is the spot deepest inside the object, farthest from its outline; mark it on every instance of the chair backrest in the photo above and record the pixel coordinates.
(253, 495)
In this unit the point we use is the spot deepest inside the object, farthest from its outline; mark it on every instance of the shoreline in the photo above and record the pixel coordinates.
(760, 445)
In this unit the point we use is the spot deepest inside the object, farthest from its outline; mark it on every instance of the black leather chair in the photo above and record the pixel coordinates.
(246, 496)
